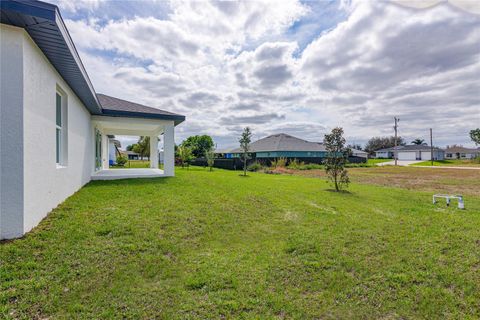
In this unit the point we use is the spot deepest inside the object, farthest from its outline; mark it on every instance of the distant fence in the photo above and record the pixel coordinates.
(237, 163)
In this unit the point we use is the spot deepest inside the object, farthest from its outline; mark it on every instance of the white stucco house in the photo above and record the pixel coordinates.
(359, 153)
(55, 123)
(459, 152)
(412, 153)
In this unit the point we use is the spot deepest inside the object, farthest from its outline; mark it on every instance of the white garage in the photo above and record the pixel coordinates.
(425, 155)
(407, 155)
(437, 155)
(415, 152)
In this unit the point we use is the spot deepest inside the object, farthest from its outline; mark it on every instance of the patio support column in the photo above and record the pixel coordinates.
(105, 156)
(169, 150)
(154, 152)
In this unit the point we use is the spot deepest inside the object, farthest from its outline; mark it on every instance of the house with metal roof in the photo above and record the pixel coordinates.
(46, 96)
(412, 152)
(283, 145)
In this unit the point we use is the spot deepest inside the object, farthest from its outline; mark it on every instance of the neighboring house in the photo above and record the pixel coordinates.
(386, 153)
(359, 153)
(412, 152)
(276, 146)
(224, 153)
(282, 145)
(131, 155)
(461, 153)
(54, 122)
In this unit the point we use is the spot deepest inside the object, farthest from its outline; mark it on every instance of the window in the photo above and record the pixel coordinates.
(59, 128)
(61, 137)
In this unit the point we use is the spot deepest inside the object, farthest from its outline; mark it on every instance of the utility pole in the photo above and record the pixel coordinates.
(395, 152)
(431, 146)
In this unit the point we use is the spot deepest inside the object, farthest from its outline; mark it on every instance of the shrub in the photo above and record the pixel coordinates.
(278, 163)
(296, 165)
(185, 155)
(254, 167)
(121, 160)
(311, 166)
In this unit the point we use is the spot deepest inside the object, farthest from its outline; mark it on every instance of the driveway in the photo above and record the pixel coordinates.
(406, 163)
(403, 163)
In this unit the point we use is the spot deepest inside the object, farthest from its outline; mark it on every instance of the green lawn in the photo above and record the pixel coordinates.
(217, 245)
(375, 161)
(449, 163)
(136, 164)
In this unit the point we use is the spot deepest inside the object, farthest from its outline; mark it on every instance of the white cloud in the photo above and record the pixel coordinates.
(227, 64)
(75, 5)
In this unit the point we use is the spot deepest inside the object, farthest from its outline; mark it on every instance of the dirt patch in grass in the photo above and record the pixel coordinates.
(425, 179)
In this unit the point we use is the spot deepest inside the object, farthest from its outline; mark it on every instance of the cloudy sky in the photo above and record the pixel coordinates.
(295, 67)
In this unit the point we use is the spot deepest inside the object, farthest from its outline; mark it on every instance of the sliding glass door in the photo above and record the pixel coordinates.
(98, 150)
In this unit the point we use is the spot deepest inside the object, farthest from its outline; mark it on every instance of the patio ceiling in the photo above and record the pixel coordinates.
(130, 126)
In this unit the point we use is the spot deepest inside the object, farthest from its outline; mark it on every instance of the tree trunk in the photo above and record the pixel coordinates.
(336, 183)
(244, 164)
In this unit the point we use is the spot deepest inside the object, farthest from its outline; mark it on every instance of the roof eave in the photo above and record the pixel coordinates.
(128, 114)
(19, 12)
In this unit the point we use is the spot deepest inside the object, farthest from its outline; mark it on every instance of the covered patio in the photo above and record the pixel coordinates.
(128, 118)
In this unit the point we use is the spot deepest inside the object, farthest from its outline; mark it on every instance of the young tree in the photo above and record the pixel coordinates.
(245, 140)
(337, 157)
(210, 156)
(185, 155)
(418, 142)
(475, 136)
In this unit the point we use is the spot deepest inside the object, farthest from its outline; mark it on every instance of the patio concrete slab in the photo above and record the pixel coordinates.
(114, 174)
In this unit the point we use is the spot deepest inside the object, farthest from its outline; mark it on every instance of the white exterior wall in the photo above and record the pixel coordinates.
(440, 155)
(467, 155)
(381, 154)
(11, 132)
(47, 185)
(44, 185)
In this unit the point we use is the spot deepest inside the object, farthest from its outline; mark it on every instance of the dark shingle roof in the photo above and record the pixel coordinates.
(283, 142)
(121, 108)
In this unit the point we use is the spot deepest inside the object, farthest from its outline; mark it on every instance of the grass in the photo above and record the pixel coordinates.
(375, 161)
(453, 181)
(216, 245)
(450, 163)
(134, 164)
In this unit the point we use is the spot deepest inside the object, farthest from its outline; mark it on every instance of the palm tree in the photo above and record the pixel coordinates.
(418, 141)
